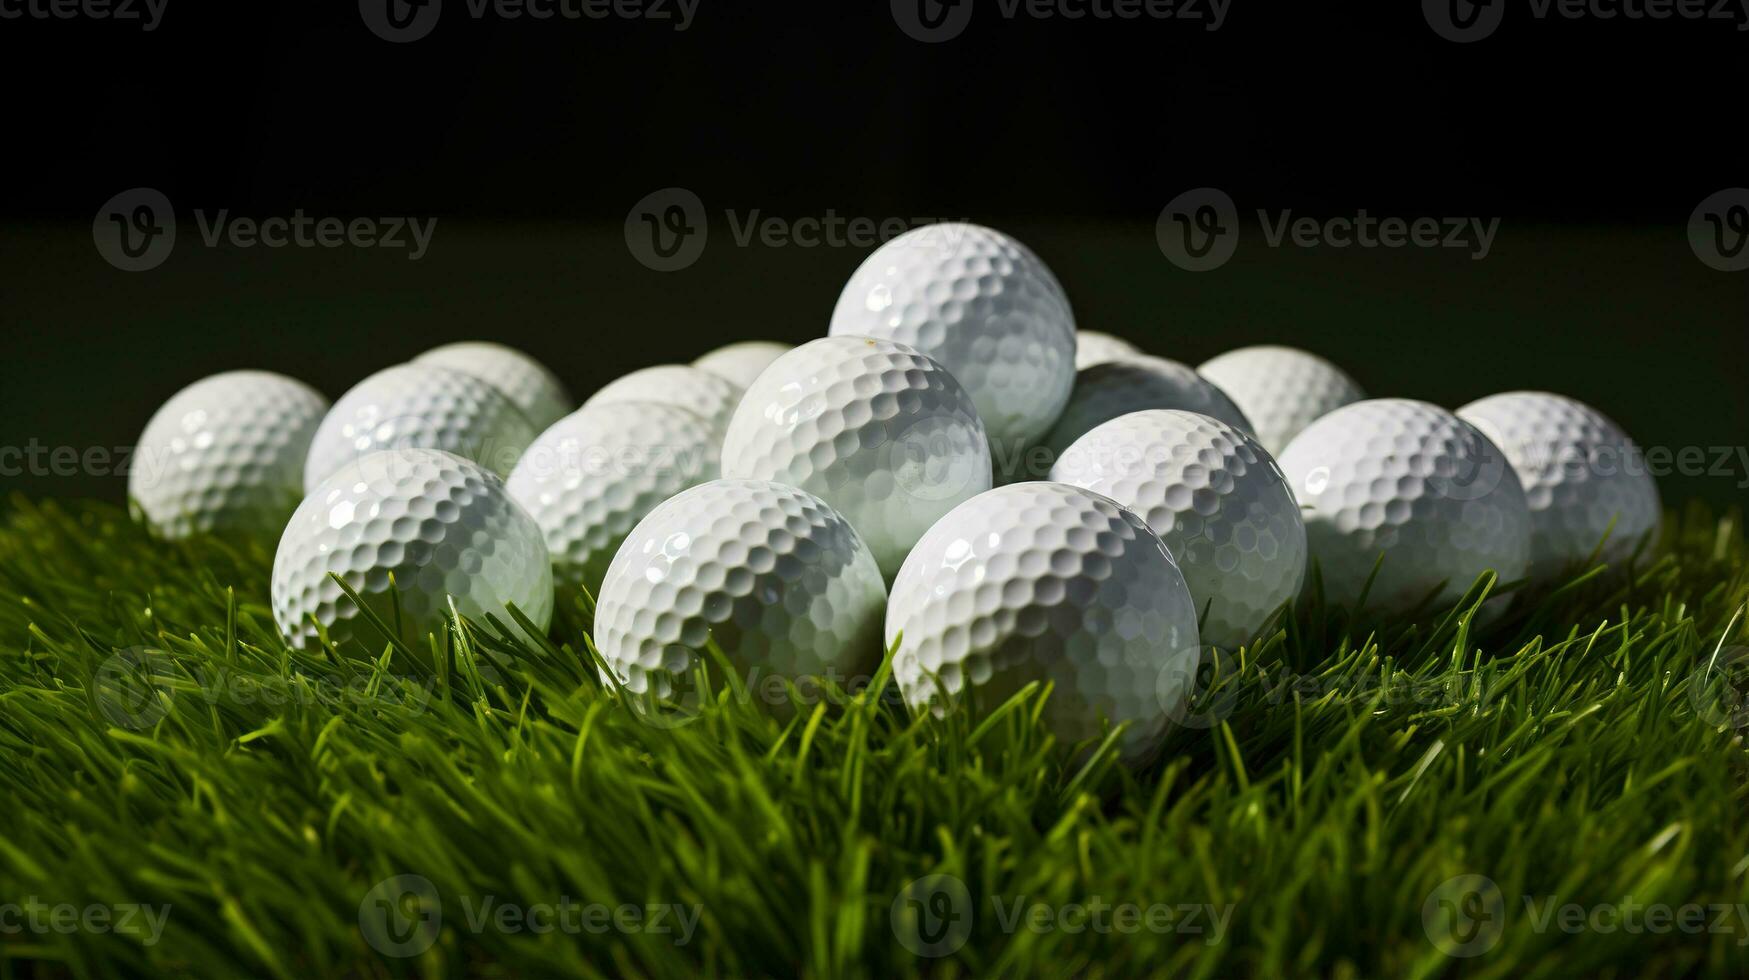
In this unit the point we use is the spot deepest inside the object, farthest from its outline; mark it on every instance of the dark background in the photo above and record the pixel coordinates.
(1592, 141)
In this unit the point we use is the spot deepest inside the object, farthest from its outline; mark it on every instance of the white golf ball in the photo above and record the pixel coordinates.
(419, 406)
(1416, 484)
(590, 478)
(780, 580)
(1093, 347)
(225, 455)
(872, 427)
(694, 389)
(1051, 583)
(1581, 474)
(984, 307)
(1136, 384)
(1280, 389)
(527, 382)
(1218, 502)
(438, 525)
(740, 363)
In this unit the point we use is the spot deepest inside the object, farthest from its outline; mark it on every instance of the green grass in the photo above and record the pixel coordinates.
(159, 746)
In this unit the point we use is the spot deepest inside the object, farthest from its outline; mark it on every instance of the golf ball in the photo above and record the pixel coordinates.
(1051, 583)
(780, 580)
(225, 455)
(877, 430)
(694, 389)
(1280, 389)
(524, 380)
(1135, 384)
(589, 479)
(1218, 502)
(984, 307)
(438, 525)
(1093, 347)
(1581, 474)
(418, 406)
(1416, 484)
(741, 363)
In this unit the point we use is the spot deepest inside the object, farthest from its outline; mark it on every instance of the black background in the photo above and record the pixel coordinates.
(529, 140)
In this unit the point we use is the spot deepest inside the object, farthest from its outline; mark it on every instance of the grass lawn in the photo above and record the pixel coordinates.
(1561, 795)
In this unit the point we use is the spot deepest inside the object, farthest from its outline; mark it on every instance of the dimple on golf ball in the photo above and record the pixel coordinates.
(983, 306)
(1415, 484)
(1280, 389)
(591, 477)
(225, 455)
(874, 428)
(433, 524)
(419, 406)
(1219, 503)
(780, 580)
(1051, 583)
(1583, 477)
(525, 381)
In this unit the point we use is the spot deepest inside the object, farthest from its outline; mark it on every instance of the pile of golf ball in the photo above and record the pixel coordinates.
(763, 497)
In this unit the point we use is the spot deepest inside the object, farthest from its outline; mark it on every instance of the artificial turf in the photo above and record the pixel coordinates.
(161, 750)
